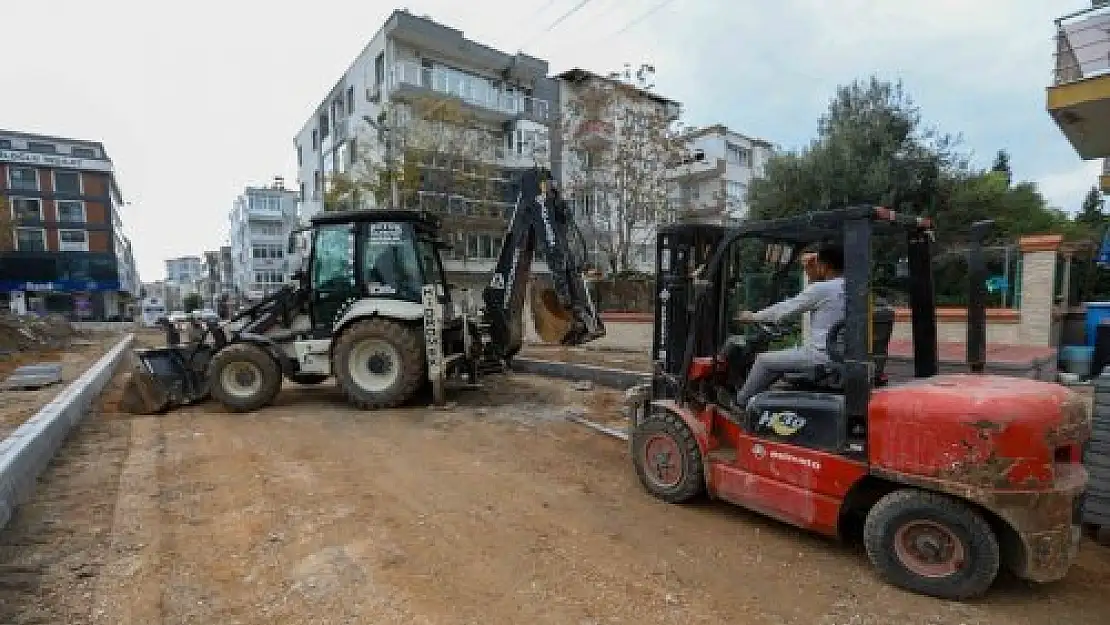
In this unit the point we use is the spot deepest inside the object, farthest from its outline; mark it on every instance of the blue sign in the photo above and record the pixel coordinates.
(1104, 251)
(61, 286)
(997, 283)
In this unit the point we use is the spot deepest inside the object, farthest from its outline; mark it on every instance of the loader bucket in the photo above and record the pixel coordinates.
(553, 322)
(160, 380)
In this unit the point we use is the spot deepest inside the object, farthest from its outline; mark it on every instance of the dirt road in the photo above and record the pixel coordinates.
(494, 512)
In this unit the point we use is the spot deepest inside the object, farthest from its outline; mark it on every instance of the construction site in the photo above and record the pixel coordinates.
(494, 509)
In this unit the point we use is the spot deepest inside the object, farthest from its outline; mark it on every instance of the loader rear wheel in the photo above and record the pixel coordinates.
(931, 544)
(379, 363)
(244, 377)
(667, 459)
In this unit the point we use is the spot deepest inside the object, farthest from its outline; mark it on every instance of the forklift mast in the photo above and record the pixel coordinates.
(566, 311)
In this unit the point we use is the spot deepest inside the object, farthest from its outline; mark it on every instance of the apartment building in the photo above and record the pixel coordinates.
(261, 220)
(65, 251)
(600, 147)
(712, 185)
(412, 67)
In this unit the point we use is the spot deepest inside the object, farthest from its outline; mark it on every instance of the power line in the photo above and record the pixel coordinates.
(566, 15)
(643, 17)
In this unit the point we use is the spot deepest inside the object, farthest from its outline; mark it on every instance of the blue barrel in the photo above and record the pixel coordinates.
(1097, 312)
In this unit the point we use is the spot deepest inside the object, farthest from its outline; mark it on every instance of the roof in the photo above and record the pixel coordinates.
(694, 133)
(820, 226)
(78, 142)
(421, 218)
(578, 75)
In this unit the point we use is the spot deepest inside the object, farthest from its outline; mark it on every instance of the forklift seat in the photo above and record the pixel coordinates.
(827, 377)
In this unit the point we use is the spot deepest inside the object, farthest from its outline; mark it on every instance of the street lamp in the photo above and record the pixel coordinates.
(385, 134)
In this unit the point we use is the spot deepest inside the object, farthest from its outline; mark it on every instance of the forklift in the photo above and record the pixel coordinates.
(947, 479)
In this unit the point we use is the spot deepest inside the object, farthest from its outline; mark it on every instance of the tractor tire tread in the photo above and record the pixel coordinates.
(410, 348)
(271, 376)
(979, 539)
(692, 485)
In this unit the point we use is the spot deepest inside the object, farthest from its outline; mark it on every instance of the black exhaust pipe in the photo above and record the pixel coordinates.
(977, 297)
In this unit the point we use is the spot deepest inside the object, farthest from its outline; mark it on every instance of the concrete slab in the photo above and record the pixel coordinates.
(30, 377)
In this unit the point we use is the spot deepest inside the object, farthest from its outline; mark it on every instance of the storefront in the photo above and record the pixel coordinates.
(77, 300)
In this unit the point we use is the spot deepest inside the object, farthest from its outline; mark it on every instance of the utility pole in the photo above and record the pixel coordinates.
(385, 135)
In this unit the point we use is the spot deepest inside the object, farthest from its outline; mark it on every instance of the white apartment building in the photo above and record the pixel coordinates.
(713, 186)
(509, 102)
(261, 221)
(597, 109)
(184, 270)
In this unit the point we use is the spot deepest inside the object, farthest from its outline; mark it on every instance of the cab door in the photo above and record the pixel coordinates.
(333, 277)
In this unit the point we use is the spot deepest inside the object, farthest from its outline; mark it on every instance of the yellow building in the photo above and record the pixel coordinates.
(1079, 96)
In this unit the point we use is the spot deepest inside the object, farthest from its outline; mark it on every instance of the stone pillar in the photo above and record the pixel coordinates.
(1038, 287)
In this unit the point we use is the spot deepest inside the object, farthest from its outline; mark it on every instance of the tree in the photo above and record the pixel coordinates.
(439, 149)
(192, 301)
(872, 147)
(1090, 213)
(619, 139)
(1002, 166)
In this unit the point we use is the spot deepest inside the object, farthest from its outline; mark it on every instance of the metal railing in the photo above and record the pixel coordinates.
(471, 89)
(1082, 45)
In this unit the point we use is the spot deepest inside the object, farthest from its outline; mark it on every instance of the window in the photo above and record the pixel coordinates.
(23, 178)
(41, 147)
(26, 209)
(67, 182)
(332, 267)
(324, 128)
(316, 185)
(5, 144)
(71, 211)
(302, 191)
(738, 155)
(300, 158)
(73, 240)
(350, 100)
(30, 239)
(379, 69)
(83, 152)
(390, 265)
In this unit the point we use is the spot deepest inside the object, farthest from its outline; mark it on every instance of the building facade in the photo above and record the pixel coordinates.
(712, 185)
(458, 117)
(65, 251)
(260, 223)
(617, 140)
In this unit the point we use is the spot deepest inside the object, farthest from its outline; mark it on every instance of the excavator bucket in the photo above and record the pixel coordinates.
(163, 378)
(558, 324)
(552, 321)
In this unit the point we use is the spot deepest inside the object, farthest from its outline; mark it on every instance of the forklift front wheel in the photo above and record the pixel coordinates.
(931, 544)
(667, 459)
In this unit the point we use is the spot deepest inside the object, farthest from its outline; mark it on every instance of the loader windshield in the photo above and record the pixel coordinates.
(390, 266)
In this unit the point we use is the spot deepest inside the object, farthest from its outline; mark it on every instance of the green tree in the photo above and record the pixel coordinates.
(1090, 213)
(192, 302)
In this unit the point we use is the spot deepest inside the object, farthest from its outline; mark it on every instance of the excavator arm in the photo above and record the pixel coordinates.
(563, 311)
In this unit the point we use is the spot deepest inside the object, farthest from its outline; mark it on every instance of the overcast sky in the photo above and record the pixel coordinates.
(195, 100)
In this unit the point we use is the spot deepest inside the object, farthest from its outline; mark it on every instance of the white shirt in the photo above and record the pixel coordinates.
(824, 301)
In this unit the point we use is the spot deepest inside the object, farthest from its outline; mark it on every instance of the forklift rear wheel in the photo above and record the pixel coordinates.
(932, 544)
(667, 459)
(308, 379)
(379, 363)
(243, 377)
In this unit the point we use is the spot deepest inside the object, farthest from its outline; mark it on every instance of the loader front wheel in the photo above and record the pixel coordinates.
(379, 363)
(244, 377)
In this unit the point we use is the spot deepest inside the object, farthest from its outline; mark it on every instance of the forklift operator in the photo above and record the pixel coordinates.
(823, 299)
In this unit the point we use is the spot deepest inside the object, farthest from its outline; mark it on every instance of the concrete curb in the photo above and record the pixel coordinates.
(27, 451)
(614, 378)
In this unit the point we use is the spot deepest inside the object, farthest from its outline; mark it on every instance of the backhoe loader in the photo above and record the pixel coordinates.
(372, 309)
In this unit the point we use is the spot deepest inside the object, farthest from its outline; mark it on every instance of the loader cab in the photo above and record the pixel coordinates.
(370, 254)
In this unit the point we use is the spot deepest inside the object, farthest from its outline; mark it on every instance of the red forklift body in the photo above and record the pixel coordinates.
(996, 455)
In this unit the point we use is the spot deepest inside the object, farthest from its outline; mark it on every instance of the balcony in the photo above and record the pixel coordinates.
(1079, 97)
(411, 81)
(695, 168)
(595, 134)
